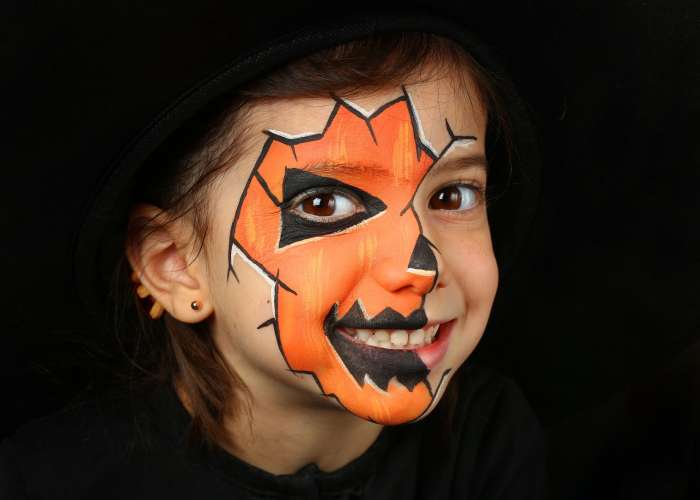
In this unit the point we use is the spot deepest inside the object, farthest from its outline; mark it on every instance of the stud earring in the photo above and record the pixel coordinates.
(196, 305)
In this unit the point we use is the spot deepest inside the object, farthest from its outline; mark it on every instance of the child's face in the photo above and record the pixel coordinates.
(351, 260)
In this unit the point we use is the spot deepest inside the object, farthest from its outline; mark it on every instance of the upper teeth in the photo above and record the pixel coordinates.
(393, 339)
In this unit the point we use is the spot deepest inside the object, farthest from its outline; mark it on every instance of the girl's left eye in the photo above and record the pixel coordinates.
(457, 197)
(327, 206)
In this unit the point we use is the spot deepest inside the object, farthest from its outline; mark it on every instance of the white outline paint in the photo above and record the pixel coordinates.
(421, 272)
(304, 135)
(394, 380)
(235, 250)
(359, 108)
(285, 135)
(437, 395)
(368, 380)
(361, 305)
(316, 238)
(419, 125)
(458, 143)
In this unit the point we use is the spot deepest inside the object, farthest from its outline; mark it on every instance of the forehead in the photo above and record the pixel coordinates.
(434, 101)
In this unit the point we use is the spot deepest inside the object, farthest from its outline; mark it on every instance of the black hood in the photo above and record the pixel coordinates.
(99, 86)
(265, 40)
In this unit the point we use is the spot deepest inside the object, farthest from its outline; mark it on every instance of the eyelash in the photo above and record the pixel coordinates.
(478, 189)
(300, 198)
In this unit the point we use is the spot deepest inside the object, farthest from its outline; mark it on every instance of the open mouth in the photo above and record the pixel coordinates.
(404, 349)
(393, 339)
(429, 344)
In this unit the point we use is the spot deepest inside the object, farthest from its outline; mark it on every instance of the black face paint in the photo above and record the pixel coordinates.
(388, 319)
(296, 228)
(423, 258)
(380, 364)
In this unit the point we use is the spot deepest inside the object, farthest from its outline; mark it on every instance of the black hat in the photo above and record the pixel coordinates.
(96, 88)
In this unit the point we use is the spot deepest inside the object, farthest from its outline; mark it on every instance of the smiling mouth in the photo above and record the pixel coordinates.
(393, 339)
(406, 349)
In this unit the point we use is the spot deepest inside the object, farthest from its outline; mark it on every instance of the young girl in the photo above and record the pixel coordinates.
(308, 264)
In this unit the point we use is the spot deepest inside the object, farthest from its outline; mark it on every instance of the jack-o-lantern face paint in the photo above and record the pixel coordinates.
(320, 216)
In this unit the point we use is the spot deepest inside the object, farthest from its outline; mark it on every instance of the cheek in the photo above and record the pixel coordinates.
(472, 265)
(322, 274)
(240, 307)
(472, 273)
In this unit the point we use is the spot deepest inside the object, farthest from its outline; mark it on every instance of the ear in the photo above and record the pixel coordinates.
(168, 263)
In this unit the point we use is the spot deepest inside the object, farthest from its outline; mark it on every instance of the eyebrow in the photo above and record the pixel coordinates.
(373, 170)
(330, 169)
(463, 163)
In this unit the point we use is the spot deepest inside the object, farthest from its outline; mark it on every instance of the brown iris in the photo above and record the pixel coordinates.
(320, 205)
(448, 198)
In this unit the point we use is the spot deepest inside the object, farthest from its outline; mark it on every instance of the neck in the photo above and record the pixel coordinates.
(283, 438)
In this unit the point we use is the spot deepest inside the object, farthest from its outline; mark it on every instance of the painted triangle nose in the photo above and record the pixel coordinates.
(422, 259)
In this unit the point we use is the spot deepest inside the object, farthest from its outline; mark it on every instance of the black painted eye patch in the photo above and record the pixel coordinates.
(296, 228)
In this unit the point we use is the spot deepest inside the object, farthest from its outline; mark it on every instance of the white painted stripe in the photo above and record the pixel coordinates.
(362, 308)
(291, 136)
(420, 272)
(359, 108)
(369, 381)
(236, 251)
(316, 238)
(421, 133)
(459, 143)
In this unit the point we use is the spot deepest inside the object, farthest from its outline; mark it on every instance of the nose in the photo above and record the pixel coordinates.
(418, 275)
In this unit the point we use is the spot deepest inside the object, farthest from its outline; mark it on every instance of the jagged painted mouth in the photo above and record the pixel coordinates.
(390, 346)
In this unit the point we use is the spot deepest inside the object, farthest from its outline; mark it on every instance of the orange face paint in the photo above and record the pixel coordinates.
(370, 270)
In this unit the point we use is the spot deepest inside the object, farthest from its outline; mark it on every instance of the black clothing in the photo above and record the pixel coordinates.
(651, 439)
(495, 451)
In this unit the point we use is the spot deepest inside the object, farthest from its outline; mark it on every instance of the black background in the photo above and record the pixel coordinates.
(604, 298)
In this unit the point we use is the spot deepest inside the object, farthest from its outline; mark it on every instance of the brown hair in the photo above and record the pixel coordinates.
(177, 179)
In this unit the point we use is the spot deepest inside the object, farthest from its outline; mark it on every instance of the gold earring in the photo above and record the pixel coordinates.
(156, 310)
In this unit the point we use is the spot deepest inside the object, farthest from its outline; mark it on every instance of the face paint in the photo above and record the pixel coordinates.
(333, 277)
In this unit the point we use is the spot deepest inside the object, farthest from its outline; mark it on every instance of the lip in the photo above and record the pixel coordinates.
(433, 353)
(430, 354)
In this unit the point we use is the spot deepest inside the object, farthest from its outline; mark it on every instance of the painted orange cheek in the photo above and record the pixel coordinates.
(322, 277)
(310, 351)
(259, 222)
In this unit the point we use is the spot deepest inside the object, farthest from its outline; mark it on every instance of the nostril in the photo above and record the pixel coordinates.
(419, 276)
(421, 283)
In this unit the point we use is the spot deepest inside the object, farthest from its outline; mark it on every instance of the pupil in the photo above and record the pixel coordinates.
(321, 205)
(447, 199)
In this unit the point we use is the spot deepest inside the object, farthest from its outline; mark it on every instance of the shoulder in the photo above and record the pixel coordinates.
(60, 455)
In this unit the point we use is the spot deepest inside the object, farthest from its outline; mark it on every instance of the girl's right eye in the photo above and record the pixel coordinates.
(328, 206)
